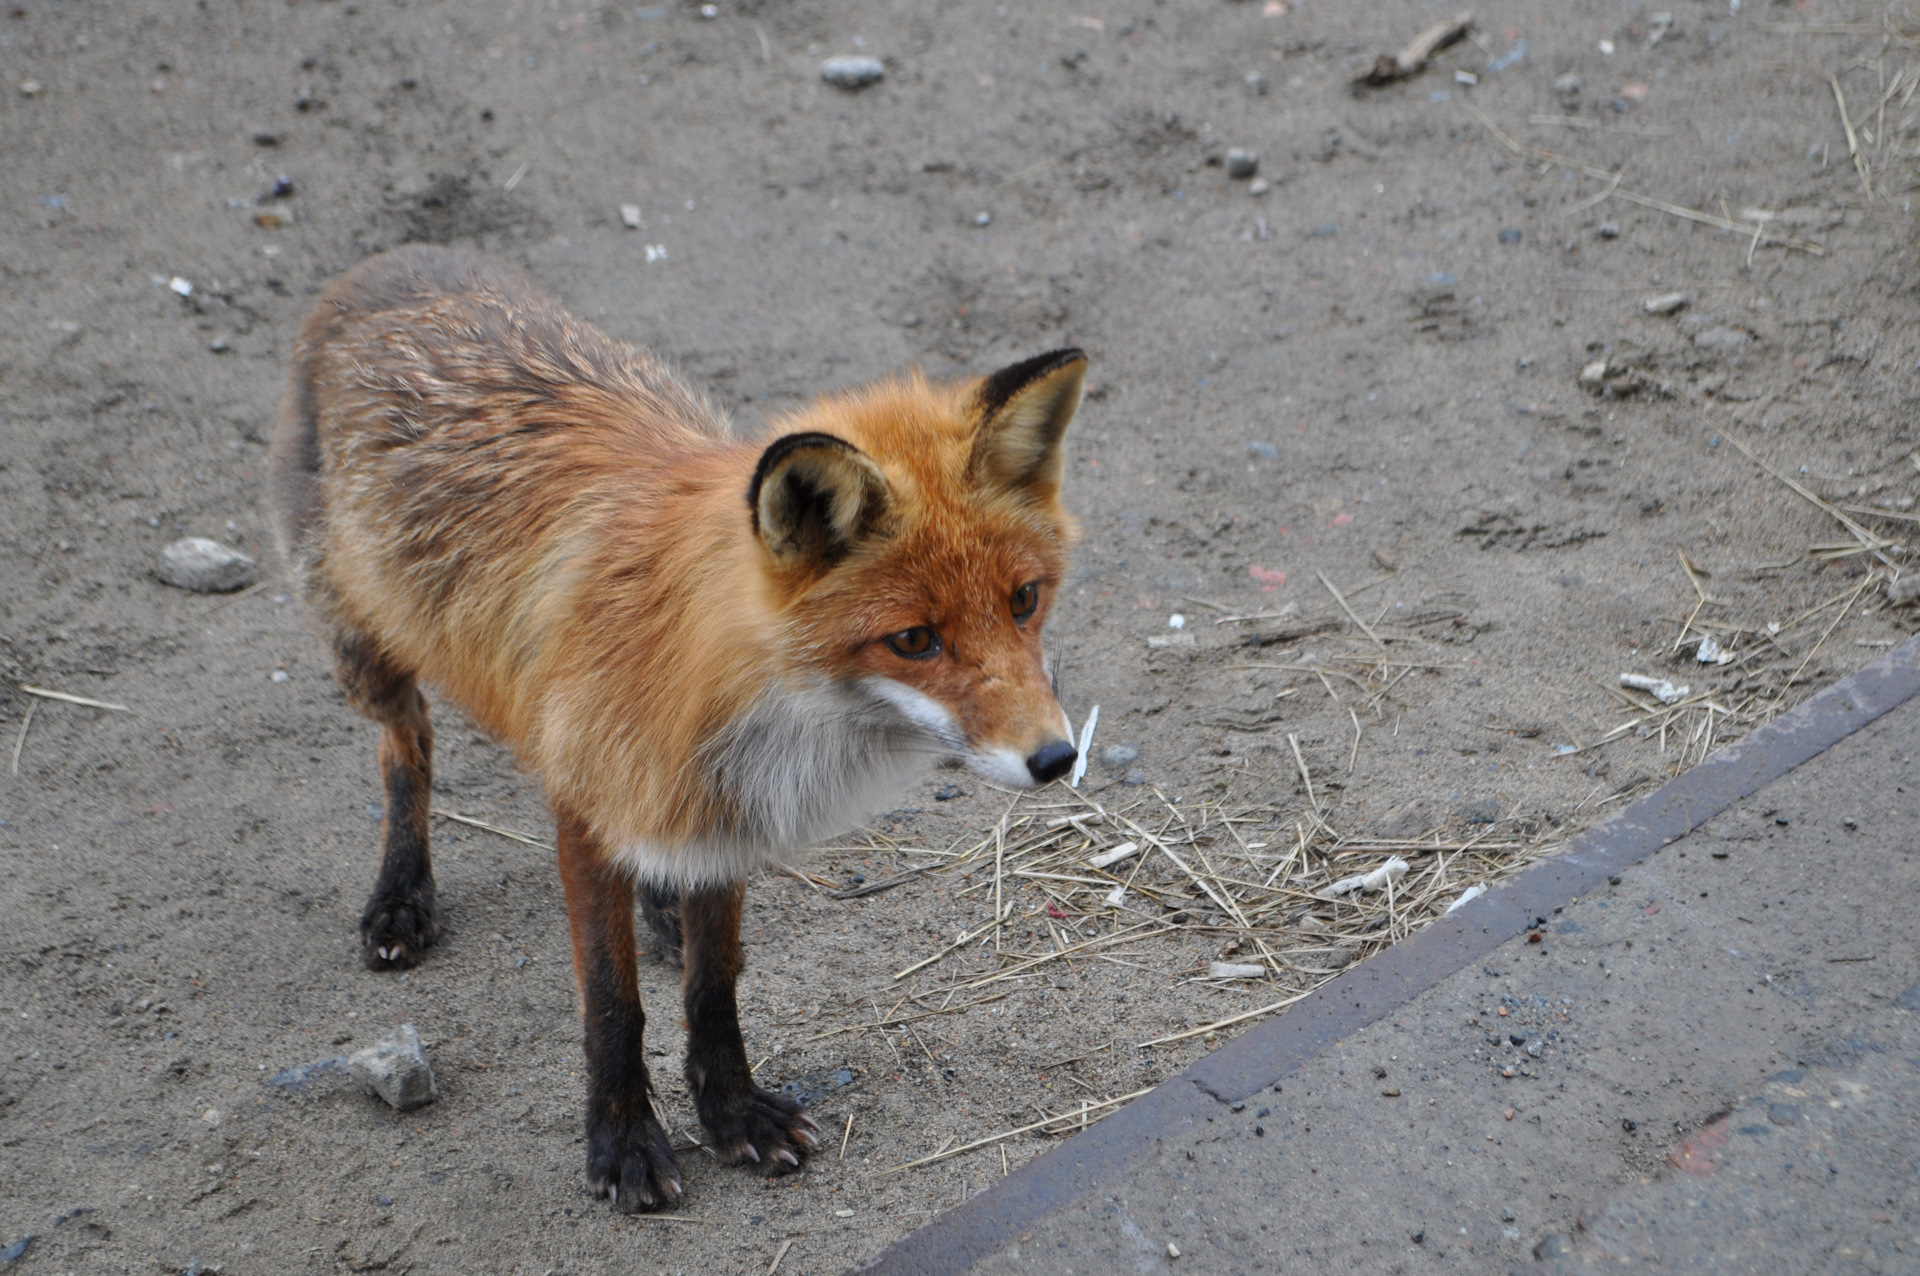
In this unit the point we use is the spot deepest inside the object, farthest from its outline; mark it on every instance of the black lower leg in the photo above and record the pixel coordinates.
(401, 917)
(628, 1156)
(744, 1121)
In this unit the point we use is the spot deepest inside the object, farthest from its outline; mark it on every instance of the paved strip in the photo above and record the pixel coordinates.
(1305, 1035)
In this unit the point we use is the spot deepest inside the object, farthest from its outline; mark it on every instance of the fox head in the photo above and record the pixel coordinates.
(912, 538)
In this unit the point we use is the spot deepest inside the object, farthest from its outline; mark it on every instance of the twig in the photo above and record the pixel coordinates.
(21, 740)
(1853, 142)
(1228, 1022)
(457, 818)
(1008, 1134)
(779, 1254)
(62, 696)
(846, 1136)
(1365, 628)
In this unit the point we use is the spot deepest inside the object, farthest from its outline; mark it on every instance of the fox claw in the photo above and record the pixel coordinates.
(784, 1155)
(751, 1152)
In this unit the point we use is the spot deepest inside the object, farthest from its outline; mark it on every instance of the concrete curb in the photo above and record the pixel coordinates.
(1257, 1059)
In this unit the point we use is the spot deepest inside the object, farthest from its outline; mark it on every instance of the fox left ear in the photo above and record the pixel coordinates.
(1024, 411)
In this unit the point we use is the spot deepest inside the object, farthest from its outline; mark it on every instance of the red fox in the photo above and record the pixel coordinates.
(712, 651)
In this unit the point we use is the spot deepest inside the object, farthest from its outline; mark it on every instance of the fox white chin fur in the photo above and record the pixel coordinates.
(806, 763)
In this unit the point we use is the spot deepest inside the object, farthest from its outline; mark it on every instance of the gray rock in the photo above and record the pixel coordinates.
(1555, 1246)
(1724, 339)
(1905, 590)
(852, 72)
(1484, 811)
(396, 1069)
(1408, 819)
(1666, 303)
(1567, 85)
(204, 566)
(1119, 757)
(1608, 230)
(1242, 164)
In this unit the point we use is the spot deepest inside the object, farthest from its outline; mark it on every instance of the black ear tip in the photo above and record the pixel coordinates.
(1010, 380)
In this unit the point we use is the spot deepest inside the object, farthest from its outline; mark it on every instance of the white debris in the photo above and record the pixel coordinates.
(656, 252)
(1391, 871)
(1712, 653)
(1468, 895)
(630, 216)
(1086, 742)
(1172, 640)
(180, 286)
(1594, 373)
(1114, 856)
(1176, 621)
(1117, 897)
(1659, 688)
(1666, 303)
(852, 72)
(1234, 970)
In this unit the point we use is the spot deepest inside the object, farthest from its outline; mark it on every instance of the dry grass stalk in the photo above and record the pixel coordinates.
(64, 698)
(494, 829)
(1075, 1121)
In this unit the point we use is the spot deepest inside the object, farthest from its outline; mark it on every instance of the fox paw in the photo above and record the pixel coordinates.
(757, 1127)
(633, 1166)
(396, 930)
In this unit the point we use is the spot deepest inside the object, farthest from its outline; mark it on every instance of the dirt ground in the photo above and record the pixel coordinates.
(1371, 369)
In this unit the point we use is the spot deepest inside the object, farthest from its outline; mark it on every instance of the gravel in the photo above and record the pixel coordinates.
(204, 566)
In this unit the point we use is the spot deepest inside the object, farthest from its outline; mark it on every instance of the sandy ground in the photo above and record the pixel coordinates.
(1370, 370)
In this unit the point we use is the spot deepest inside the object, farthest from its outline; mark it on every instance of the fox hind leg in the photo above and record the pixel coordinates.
(745, 1122)
(401, 919)
(660, 905)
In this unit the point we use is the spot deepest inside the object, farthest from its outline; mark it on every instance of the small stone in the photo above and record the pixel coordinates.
(1483, 811)
(1555, 1246)
(1608, 230)
(1242, 164)
(630, 216)
(1258, 186)
(281, 675)
(396, 1069)
(204, 566)
(1173, 1251)
(1419, 1237)
(948, 792)
(1506, 1216)
(1510, 235)
(852, 72)
(1594, 374)
(30, 88)
(282, 188)
(983, 218)
(1535, 1047)
(1118, 757)
(1725, 339)
(1567, 85)
(1666, 303)
(1783, 1114)
(1408, 819)
(219, 345)
(1134, 779)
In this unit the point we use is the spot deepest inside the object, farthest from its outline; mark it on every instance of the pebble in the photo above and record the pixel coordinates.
(30, 88)
(1905, 590)
(1724, 339)
(1608, 230)
(983, 218)
(1258, 186)
(395, 1068)
(1594, 374)
(1484, 811)
(204, 566)
(1118, 757)
(1510, 235)
(852, 72)
(630, 216)
(1666, 303)
(1242, 164)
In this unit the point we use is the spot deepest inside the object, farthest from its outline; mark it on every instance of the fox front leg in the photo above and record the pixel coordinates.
(745, 1122)
(629, 1159)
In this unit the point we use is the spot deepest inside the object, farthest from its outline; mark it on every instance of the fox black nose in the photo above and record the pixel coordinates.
(1051, 761)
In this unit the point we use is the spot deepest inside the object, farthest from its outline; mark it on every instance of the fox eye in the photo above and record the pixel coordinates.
(1025, 600)
(914, 644)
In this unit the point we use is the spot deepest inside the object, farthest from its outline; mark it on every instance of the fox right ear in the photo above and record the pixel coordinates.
(814, 497)
(1023, 411)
